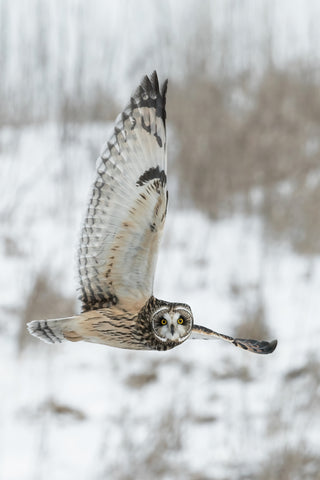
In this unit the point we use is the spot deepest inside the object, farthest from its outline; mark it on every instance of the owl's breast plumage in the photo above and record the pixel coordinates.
(119, 327)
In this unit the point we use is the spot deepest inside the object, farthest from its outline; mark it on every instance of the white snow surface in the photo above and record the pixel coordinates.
(202, 410)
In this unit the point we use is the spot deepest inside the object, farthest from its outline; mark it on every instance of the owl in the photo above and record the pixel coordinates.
(120, 241)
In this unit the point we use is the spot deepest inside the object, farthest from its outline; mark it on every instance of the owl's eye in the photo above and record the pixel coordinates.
(163, 321)
(180, 321)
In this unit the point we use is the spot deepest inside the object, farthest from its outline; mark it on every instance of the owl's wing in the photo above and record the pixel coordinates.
(256, 346)
(126, 213)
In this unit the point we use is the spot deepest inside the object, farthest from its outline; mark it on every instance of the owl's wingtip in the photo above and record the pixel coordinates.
(272, 346)
(164, 88)
(149, 94)
(256, 346)
(154, 79)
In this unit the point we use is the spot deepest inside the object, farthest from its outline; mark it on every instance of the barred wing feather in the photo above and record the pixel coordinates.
(126, 213)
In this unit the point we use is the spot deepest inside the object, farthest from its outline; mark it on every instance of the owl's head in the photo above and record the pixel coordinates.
(172, 322)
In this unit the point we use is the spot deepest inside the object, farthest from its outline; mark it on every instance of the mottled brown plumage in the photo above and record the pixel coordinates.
(120, 239)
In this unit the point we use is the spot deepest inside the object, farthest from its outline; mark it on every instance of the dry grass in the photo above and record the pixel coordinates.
(43, 302)
(303, 383)
(290, 464)
(232, 371)
(252, 322)
(203, 419)
(156, 456)
(268, 140)
(62, 410)
(310, 370)
(141, 380)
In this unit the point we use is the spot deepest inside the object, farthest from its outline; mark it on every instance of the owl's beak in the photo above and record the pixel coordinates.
(172, 329)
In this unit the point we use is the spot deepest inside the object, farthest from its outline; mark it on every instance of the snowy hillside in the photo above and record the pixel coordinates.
(205, 410)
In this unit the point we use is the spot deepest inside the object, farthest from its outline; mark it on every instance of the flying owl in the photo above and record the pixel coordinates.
(120, 240)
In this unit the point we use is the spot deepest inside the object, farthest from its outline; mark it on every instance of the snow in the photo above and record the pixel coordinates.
(205, 408)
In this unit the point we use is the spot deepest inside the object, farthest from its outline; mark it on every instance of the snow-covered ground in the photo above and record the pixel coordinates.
(202, 411)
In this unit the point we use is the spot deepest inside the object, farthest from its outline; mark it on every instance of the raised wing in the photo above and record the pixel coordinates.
(256, 346)
(126, 213)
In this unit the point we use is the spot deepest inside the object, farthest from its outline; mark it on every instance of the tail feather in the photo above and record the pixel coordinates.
(49, 331)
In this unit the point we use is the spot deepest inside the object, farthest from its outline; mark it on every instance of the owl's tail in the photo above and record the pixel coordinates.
(55, 330)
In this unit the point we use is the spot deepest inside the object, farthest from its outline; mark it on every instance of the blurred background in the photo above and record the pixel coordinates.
(241, 242)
